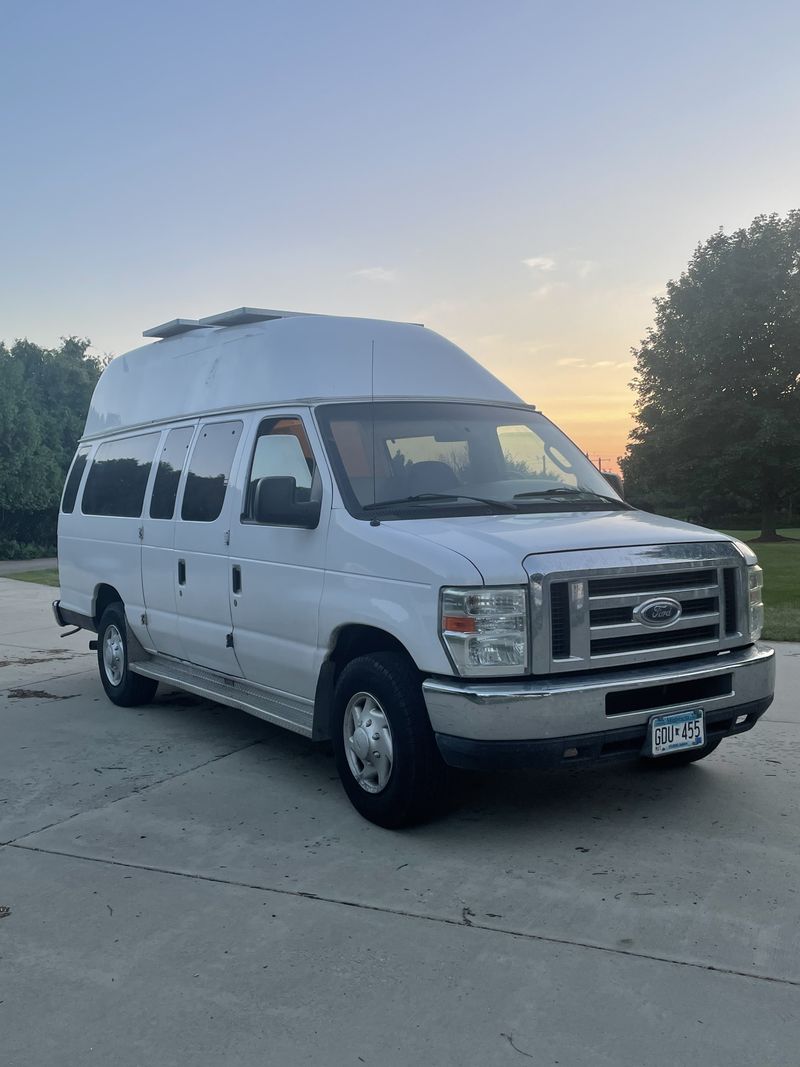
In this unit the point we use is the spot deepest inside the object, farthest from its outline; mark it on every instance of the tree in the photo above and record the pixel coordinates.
(44, 397)
(717, 422)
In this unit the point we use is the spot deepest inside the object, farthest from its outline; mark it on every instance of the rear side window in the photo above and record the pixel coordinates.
(74, 480)
(168, 474)
(118, 476)
(209, 471)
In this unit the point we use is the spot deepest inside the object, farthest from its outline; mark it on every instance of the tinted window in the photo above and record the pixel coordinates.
(281, 450)
(74, 480)
(209, 470)
(170, 465)
(118, 476)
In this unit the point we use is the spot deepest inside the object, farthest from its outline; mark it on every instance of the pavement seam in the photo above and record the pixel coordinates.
(127, 796)
(41, 681)
(463, 923)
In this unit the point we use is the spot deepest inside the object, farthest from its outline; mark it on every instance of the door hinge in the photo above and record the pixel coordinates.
(141, 533)
(229, 640)
(227, 537)
(144, 618)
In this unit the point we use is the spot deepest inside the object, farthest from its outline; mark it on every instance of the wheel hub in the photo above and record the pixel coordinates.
(113, 655)
(368, 742)
(361, 743)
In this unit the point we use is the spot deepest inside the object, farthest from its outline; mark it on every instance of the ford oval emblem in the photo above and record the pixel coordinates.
(659, 611)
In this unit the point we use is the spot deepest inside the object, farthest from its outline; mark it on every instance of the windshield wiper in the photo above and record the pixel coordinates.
(500, 505)
(566, 490)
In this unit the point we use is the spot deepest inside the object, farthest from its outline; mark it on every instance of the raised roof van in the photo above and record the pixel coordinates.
(350, 528)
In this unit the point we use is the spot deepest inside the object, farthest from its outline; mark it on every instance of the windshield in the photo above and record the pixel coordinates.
(416, 458)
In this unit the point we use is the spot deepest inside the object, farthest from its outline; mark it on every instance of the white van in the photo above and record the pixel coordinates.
(350, 528)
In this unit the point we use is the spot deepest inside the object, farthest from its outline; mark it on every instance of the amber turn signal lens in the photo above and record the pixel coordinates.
(459, 624)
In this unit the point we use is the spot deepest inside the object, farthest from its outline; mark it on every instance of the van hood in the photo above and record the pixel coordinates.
(498, 544)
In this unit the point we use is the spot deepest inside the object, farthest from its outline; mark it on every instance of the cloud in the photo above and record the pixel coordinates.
(543, 291)
(540, 263)
(374, 274)
(573, 361)
(585, 267)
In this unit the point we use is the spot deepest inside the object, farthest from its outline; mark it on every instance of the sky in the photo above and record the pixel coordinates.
(522, 176)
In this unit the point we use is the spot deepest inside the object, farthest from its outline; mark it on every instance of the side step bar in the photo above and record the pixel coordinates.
(292, 713)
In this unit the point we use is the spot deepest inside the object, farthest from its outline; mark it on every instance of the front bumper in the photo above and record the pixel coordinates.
(598, 713)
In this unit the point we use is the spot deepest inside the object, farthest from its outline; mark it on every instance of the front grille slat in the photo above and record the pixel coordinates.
(615, 616)
(608, 646)
(653, 584)
(635, 629)
(731, 608)
(559, 620)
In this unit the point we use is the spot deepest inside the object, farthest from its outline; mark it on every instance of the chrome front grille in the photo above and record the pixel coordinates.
(587, 617)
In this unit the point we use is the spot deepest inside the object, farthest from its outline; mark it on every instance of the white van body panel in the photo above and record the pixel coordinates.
(315, 357)
(159, 584)
(282, 576)
(95, 550)
(377, 576)
(498, 544)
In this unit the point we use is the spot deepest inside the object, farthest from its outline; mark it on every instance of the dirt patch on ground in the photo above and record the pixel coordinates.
(36, 694)
(38, 657)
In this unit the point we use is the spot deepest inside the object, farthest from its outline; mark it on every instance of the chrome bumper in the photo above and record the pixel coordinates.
(570, 706)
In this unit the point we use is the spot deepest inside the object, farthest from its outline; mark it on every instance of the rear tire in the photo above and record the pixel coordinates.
(122, 686)
(385, 751)
(683, 759)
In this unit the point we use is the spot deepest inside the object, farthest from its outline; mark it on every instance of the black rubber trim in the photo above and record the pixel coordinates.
(67, 617)
(607, 746)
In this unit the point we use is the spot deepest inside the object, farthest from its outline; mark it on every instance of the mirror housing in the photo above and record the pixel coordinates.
(275, 504)
(615, 482)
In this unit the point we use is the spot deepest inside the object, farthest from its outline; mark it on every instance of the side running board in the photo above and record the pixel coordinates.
(293, 713)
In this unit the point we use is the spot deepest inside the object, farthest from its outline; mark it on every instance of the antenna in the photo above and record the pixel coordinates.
(372, 411)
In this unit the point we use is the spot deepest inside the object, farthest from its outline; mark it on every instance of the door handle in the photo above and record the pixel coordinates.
(236, 578)
(181, 572)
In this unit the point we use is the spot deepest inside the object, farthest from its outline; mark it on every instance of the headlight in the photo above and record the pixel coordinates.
(485, 630)
(755, 603)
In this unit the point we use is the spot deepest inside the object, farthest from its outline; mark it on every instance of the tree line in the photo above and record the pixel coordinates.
(44, 397)
(717, 420)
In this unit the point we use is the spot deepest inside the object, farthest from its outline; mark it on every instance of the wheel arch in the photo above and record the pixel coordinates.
(349, 641)
(104, 595)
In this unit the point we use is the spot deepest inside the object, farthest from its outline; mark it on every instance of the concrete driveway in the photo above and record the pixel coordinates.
(189, 885)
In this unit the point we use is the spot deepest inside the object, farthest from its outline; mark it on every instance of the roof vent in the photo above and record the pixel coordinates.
(241, 316)
(173, 328)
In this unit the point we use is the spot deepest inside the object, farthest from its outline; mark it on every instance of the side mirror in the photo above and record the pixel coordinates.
(275, 503)
(615, 482)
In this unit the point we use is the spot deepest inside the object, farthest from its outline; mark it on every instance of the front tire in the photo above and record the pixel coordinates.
(385, 751)
(122, 686)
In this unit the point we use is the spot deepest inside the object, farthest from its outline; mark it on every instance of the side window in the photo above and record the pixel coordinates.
(281, 450)
(170, 465)
(118, 476)
(74, 480)
(209, 471)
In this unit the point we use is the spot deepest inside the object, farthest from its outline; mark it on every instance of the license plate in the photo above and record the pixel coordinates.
(676, 732)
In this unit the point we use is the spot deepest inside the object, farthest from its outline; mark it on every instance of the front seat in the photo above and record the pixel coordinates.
(431, 476)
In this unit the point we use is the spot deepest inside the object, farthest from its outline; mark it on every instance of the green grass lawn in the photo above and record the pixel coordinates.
(45, 577)
(781, 564)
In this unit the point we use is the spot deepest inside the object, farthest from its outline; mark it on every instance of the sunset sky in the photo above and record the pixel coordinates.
(523, 177)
